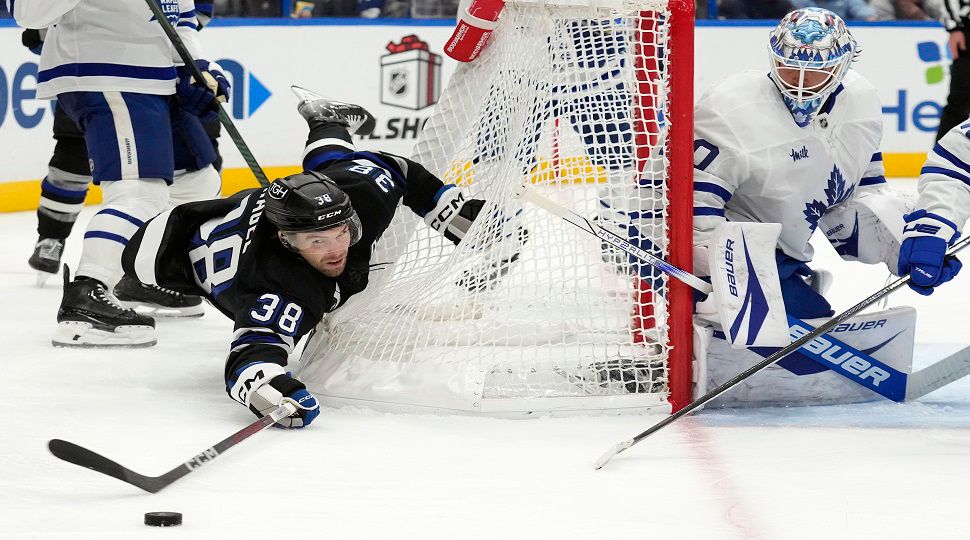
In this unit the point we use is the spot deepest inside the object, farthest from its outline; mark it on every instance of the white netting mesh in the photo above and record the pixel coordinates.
(570, 99)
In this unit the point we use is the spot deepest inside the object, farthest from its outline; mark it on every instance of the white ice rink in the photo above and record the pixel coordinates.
(876, 470)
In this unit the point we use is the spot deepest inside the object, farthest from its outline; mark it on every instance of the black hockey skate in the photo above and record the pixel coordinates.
(90, 316)
(157, 301)
(46, 258)
(313, 106)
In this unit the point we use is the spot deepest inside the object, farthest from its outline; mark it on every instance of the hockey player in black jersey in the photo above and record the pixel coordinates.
(278, 259)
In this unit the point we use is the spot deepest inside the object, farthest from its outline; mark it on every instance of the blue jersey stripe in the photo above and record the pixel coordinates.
(127, 217)
(872, 181)
(95, 69)
(706, 211)
(876, 157)
(713, 189)
(315, 159)
(947, 155)
(107, 236)
(946, 172)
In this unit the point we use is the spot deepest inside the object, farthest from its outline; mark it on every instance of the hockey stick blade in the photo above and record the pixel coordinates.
(88, 459)
(933, 377)
(614, 450)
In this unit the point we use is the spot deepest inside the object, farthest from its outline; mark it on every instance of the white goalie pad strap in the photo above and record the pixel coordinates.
(869, 227)
(703, 333)
(747, 292)
(252, 379)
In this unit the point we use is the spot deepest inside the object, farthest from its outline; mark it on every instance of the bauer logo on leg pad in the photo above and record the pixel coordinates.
(747, 292)
(852, 363)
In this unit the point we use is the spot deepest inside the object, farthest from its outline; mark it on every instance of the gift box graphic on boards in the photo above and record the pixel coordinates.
(410, 74)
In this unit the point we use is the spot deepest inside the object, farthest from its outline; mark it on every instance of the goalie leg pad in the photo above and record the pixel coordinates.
(887, 336)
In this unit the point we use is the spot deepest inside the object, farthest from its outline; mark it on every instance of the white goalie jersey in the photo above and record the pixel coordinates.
(753, 163)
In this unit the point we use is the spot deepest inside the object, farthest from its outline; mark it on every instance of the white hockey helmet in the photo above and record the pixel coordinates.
(810, 53)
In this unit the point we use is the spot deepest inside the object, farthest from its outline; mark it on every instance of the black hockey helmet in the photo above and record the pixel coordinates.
(310, 201)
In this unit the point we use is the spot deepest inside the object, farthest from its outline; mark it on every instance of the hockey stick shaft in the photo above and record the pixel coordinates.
(83, 457)
(528, 194)
(224, 117)
(822, 328)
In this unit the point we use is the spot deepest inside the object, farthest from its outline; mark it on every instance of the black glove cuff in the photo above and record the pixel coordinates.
(286, 384)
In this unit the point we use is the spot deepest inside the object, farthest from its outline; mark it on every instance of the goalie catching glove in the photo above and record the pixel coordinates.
(923, 251)
(263, 386)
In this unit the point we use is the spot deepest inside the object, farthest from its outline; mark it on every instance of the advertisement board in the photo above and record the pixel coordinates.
(398, 71)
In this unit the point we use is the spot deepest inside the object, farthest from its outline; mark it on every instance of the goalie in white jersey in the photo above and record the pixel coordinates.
(799, 147)
(116, 75)
(790, 147)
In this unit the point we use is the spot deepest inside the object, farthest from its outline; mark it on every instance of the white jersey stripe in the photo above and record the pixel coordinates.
(127, 149)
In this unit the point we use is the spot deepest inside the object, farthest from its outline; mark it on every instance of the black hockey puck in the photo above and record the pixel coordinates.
(163, 519)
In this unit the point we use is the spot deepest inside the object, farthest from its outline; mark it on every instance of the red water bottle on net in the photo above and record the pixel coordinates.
(475, 25)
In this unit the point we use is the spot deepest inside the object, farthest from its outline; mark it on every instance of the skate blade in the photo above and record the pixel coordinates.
(84, 335)
(154, 310)
(42, 278)
(305, 95)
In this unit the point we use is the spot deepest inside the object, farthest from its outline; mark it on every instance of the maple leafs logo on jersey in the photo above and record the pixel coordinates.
(835, 193)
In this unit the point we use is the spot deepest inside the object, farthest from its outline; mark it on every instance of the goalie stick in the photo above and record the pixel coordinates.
(224, 118)
(79, 455)
(927, 380)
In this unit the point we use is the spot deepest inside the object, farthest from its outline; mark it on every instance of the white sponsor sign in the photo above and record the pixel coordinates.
(906, 64)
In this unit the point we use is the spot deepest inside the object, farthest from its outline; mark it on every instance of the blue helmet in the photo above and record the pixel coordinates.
(810, 52)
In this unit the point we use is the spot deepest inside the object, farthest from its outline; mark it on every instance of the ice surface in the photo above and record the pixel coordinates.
(876, 470)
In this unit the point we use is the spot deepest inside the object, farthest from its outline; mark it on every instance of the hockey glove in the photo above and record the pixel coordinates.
(202, 101)
(33, 40)
(262, 386)
(452, 215)
(922, 254)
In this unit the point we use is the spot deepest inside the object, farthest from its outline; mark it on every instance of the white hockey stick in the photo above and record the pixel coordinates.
(935, 376)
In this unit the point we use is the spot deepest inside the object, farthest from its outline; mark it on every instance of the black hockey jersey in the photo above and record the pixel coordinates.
(227, 251)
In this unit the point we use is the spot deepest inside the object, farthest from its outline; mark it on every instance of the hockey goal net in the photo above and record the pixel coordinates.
(591, 106)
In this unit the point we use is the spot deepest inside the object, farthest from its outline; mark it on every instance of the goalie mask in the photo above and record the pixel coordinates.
(311, 213)
(810, 52)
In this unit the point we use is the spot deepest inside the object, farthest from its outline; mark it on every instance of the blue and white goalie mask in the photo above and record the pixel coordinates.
(810, 51)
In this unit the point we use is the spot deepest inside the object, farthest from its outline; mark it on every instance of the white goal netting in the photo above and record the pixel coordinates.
(529, 313)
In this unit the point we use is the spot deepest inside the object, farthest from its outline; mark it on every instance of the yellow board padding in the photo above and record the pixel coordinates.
(24, 195)
(903, 165)
(568, 170)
